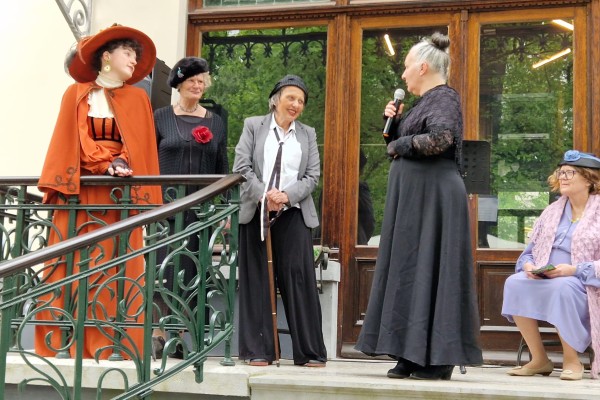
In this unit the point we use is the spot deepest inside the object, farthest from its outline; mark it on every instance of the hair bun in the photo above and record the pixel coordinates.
(440, 41)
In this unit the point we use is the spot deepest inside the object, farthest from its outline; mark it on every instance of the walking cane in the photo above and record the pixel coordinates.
(272, 292)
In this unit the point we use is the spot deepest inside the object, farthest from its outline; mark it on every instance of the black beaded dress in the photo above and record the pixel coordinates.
(423, 305)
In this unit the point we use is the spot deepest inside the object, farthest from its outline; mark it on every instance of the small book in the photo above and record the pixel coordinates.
(542, 270)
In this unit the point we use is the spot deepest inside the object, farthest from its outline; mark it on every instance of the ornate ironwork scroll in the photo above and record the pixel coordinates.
(299, 43)
(78, 14)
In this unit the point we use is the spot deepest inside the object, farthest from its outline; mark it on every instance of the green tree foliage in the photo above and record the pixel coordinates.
(529, 110)
(526, 114)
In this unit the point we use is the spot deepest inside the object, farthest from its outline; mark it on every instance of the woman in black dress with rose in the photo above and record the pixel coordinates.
(191, 140)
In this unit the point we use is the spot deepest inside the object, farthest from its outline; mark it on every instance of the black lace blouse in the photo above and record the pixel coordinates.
(431, 128)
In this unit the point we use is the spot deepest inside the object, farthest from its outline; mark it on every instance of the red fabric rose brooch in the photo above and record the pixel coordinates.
(202, 134)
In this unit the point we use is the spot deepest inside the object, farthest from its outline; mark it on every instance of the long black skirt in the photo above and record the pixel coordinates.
(423, 305)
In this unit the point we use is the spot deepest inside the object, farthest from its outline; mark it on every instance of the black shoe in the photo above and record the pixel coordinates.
(403, 369)
(178, 352)
(434, 372)
(158, 344)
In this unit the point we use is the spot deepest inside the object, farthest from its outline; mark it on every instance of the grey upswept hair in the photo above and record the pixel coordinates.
(434, 51)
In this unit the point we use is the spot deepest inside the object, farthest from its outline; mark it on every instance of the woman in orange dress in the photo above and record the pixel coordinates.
(104, 127)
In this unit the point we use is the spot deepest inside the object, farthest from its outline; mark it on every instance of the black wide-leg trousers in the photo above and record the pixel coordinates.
(293, 264)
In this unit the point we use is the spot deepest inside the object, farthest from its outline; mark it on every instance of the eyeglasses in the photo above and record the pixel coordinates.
(565, 174)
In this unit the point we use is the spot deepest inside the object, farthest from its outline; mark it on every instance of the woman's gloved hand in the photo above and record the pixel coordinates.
(119, 167)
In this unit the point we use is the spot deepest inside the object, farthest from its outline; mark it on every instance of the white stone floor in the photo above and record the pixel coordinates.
(352, 380)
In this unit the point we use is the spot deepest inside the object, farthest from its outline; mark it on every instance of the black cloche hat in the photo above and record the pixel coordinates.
(291, 80)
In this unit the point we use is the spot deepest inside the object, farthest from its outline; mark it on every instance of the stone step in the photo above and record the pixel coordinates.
(341, 379)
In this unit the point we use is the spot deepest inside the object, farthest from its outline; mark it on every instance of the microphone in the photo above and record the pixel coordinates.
(398, 97)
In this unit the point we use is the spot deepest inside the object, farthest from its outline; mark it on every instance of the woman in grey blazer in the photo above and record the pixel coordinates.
(278, 156)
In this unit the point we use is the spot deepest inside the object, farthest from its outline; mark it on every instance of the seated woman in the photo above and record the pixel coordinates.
(566, 237)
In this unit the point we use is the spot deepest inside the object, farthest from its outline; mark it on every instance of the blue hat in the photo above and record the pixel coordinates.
(579, 159)
(291, 80)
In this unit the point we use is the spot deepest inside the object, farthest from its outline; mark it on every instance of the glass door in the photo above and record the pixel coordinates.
(526, 114)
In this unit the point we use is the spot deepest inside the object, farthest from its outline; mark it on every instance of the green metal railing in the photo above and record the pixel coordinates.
(201, 308)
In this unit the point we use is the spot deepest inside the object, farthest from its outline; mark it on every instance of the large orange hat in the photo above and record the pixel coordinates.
(80, 65)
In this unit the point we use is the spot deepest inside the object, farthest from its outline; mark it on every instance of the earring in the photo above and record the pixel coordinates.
(107, 68)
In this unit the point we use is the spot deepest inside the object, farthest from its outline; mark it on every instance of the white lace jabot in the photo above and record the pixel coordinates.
(99, 107)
